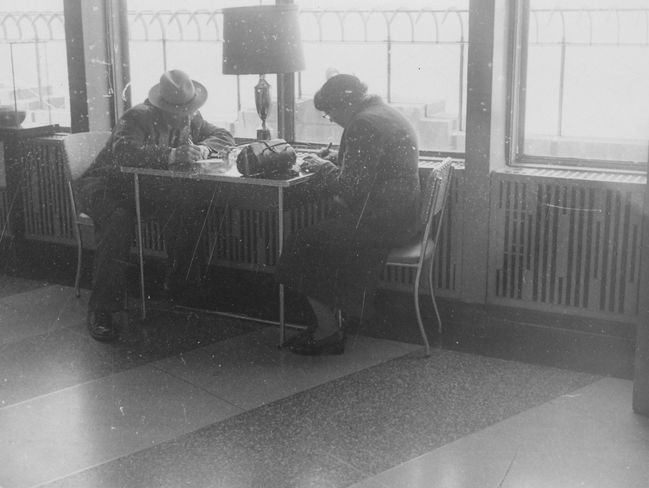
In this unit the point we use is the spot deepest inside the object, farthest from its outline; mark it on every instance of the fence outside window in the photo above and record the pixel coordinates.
(582, 89)
(377, 45)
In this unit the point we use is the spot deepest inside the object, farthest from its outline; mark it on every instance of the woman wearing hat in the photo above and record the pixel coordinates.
(337, 263)
(167, 132)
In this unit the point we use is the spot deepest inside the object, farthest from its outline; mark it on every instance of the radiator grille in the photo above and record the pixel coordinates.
(566, 244)
(5, 231)
(45, 199)
(247, 238)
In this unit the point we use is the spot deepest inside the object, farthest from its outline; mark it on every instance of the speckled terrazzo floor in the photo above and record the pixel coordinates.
(205, 402)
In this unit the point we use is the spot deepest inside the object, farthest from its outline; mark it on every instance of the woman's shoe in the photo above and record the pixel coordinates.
(332, 344)
(299, 338)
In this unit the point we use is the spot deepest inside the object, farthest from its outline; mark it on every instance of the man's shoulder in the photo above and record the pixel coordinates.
(141, 111)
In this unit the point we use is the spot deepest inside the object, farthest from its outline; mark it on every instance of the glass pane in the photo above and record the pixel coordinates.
(164, 35)
(586, 94)
(33, 52)
(410, 52)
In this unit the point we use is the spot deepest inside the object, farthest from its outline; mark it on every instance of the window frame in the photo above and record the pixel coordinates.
(514, 144)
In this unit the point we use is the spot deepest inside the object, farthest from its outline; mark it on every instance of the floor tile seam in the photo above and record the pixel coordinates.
(240, 408)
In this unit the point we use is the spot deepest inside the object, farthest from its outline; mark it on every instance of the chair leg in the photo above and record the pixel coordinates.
(420, 322)
(77, 277)
(432, 297)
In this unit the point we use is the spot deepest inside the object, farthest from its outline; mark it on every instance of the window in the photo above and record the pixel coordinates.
(377, 41)
(33, 53)
(162, 37)
(582, 83)
(410, 52)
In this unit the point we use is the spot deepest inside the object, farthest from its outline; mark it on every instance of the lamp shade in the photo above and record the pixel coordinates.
(262, 39)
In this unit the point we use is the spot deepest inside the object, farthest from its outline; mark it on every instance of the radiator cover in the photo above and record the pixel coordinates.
(566, 242)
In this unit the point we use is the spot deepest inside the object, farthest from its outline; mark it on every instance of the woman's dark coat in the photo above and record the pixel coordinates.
(376, 186)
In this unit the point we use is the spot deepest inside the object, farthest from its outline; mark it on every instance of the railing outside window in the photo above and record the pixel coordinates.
(582, 90)
(35, 77)
(379, 46)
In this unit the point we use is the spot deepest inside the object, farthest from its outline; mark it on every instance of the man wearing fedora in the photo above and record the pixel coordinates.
(165, 132)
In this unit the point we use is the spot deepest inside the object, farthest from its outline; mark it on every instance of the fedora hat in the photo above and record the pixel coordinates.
(177, 93)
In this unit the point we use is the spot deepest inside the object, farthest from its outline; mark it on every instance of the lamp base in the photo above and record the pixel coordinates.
(262, 102)
(263, 134)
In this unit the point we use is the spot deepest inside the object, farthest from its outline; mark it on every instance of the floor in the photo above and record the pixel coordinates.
(195, 400)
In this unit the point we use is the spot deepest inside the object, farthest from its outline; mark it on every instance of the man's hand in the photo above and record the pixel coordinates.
(187, 154)
(183, 156)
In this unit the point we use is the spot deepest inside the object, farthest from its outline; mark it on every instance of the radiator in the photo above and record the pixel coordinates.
(248, 238)
(566, 242)
(5, 230)
(235, 236)
(45, 200)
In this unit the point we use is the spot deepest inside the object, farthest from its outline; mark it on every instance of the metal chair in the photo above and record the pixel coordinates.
(79, 152)
(420, 253)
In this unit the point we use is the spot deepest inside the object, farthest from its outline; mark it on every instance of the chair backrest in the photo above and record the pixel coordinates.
(433, 202)
(80, 150)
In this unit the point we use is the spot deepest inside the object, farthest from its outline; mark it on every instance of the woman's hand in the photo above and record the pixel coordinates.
(328, 154)
(312, 164)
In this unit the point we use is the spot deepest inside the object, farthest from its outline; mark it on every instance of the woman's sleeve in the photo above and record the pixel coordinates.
(363, 151)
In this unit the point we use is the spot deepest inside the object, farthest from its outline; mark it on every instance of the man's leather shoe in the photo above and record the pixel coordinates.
(100, 326)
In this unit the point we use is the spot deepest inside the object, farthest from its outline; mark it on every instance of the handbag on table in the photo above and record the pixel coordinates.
(266, 158)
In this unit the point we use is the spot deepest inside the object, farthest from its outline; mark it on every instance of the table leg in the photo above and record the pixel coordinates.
(140, 252)
(280, 245)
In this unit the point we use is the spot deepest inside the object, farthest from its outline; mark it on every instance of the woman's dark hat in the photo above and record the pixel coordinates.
(339, 91)
(177, 93)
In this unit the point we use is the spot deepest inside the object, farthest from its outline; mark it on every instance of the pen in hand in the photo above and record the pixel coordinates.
(322, 153)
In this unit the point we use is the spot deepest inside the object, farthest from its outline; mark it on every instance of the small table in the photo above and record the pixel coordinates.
(232, 177)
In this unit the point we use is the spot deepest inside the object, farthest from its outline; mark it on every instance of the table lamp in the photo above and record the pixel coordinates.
(261, 40)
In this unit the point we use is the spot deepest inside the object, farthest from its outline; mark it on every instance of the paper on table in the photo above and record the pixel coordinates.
(212, 165)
